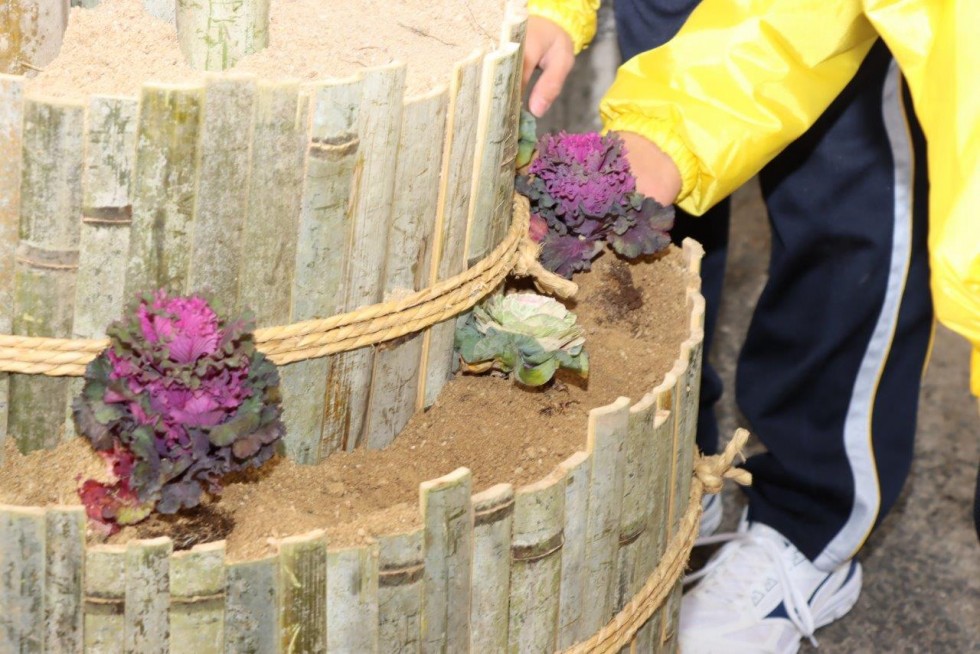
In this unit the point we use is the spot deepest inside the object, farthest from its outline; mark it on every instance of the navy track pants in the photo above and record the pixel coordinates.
(828, 377)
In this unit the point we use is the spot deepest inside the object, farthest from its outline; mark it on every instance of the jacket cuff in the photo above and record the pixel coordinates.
(660, 132)
(580, 25)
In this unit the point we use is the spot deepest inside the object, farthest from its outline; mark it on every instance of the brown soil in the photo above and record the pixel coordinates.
(500, 431)
(115, 47)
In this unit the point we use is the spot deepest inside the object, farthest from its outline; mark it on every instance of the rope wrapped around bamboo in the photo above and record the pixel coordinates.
(310, 339)
(709, 475)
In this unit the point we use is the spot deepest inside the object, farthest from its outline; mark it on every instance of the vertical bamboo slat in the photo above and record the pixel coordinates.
(197, 600)
(608, 429)
(146, 627)
(667, 394)
(64, 571)
(221, 194)
(105, 598)
(46, 260)
(352, 599)
(107, 213)
(215, 34)
(11, 143)
(493, 518)
(401, 566)
(303, 588)
(163, 188)
(449, 250)
(448, 516)
(575, 585)
(22, 579)
(658, 496)
(395, 382)
(275, 186)
(318, 281)
(380, 121)
(252, 599)
(31, 32)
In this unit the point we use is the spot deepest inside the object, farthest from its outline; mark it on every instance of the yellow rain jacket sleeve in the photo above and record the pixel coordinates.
(577, 17)
(744, 78)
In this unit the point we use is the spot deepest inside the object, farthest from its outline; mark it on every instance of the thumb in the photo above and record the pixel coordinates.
(554, 71)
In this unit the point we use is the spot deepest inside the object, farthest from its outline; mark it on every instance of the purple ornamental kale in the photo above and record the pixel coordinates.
(580, 186)
(179, 399)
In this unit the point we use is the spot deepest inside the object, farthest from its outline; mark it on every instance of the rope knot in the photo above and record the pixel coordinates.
(712, 471)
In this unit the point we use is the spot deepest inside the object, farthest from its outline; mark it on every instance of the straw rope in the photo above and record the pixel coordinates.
(710, 473)
(310, 339)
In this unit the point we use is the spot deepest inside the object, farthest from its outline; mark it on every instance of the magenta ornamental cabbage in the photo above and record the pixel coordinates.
(582, 193)
(179, 399)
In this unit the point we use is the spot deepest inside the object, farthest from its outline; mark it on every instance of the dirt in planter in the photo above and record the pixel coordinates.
(500, 431)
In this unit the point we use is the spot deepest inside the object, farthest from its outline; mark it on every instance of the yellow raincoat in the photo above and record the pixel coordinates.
(744, 78)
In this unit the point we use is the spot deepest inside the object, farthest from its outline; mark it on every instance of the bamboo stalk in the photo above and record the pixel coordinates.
(576, 587)
(163, 188)
(31, 32)
(395, 381)
(252, 599)
(146, 628)
(536, 551)
(492, 529)
(380, 121)
(318, 282)
(303, 588)
(608, 429)
(352, 599)
(668, 397)
(448, 516)
(11, 144)
(401, 566)
(659, 494)
(46, 260)
(22, 576)
(105, 598)
(64, 570)
(449, 249)
(215, 34)
(197, 599)
(165, 10)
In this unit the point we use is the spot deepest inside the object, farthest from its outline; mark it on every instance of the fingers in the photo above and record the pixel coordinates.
(555, 66)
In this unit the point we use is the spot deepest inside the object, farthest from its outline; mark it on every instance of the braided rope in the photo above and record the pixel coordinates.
(309, 339)
(709, 474)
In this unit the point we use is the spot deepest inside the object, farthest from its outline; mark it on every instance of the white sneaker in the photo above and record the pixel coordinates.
(760, 595)
(710, 515)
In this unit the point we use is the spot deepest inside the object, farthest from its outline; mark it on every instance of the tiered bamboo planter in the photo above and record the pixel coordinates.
(302, 201)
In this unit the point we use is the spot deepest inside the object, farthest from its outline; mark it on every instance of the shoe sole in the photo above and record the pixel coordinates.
(841, 602)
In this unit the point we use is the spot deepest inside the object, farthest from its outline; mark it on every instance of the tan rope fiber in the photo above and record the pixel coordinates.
(309, 339)
(709, 474)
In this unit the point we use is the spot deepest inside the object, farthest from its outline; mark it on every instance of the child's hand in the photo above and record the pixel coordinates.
(550, 48)
(657, 176)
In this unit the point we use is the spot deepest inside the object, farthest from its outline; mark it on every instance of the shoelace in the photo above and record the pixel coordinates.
(797, 607)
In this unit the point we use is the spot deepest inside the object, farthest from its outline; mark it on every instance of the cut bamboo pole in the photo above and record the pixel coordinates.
(46, 260)
(163, 188)
(107, 213)
(402, 566)
(668, 395)
(303, 588)
(395, 382)
(576, 587)
(318, 281)
(31, 32)
(197, 599)
(279, 138)
(352, 599)
(380, 122)
(607, 433)
(539, 518)
(165, 10)
(64, 571)
(105, 598)
(252, 600)
(449, 249)
(146, 627)
(659, 495)
(22, 579)
(448, 516)
(493, 520)
(11, 144)
(494, 126)
(221, 195)
(215, 34)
